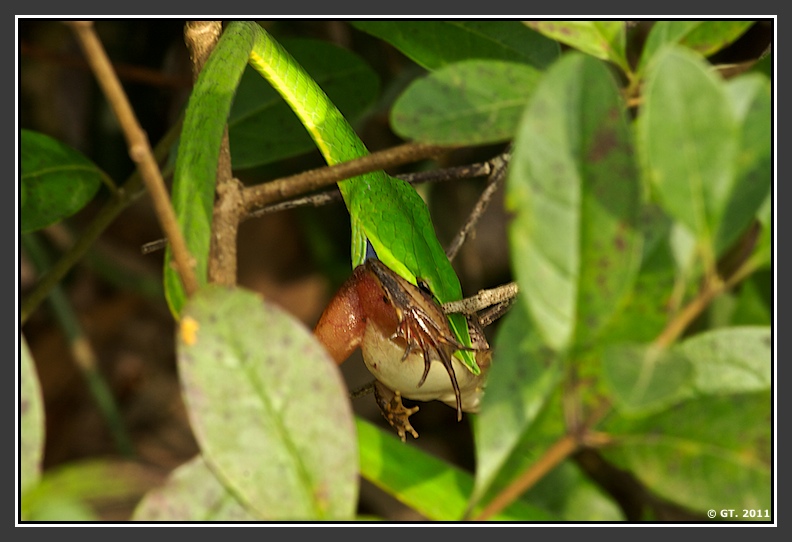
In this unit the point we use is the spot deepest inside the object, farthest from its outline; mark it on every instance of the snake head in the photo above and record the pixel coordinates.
(422, 325)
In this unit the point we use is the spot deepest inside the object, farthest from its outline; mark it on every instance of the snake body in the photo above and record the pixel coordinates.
(384, 211)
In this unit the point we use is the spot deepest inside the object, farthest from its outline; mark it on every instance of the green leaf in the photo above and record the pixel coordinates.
(754, 301)
(751, 99)
(645, 378)
(467, 103)
(704, 37)
(645, 311)
(268, 407)
(31, 420)
(523, 375)
(434, 488)
(763, 253)
(56, 181)
(764, 65)
(191, 493)
(711, 452)
(574, 190)
(731, 360)
(262, 127)
(687, 136)
(195, 174)
(434, 44)
(569, 493)
(77, 491)
(544, 432)
(601, 39)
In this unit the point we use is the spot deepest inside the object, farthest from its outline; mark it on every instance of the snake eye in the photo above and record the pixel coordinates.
(423, 285)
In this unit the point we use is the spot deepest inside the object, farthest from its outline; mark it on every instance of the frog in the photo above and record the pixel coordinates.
(406, 343)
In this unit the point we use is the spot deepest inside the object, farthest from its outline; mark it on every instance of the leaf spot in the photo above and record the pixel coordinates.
(188, 330)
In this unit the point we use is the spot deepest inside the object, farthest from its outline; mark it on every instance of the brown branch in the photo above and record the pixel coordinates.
(483, 299)
(259, 196)
(562, 449)
(139, 149)
(554, 456)
(333, 195)
(201, 38)
(453, 173)
(712, 288)
(328, 196)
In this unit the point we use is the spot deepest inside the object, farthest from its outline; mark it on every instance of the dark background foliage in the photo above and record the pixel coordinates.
(294, 258)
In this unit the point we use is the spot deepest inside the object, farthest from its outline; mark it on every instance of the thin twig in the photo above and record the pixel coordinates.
(139, 149)
(483, 299)
(498, 174)
(315, 200)
(362, 391)
(712, 288)
(491, 314)
(332, 195)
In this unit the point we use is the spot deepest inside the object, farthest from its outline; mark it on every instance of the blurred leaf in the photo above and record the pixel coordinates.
(57, 508)
(570, 494)
(704, 37)
(763, 253)
(687, 137)
(645, 311)
(262, 127)
(711, 452)
(751, 98)
(79, 491)
(56, 181)
(195, 174)
(764, 65)
(754, 301)
(547, 427)
(730, 360)
(434, 44)
(575, 192)
(191, 493)
(467, 103)
(645, 378)
(523, 375)
(601, 39)
(436, 489)
(272, 418)
(31, 420)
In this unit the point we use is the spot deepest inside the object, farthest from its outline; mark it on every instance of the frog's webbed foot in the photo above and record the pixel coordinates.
(394, 411)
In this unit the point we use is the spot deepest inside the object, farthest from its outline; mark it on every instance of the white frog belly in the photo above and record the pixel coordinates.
(383, 357)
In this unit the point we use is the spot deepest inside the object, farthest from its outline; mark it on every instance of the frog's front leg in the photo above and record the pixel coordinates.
(392, 408)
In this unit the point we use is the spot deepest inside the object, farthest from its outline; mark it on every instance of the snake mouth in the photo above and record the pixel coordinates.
(422, 333)
(421, 324)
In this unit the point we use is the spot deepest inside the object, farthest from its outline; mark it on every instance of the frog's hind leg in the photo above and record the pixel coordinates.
(392, 408)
